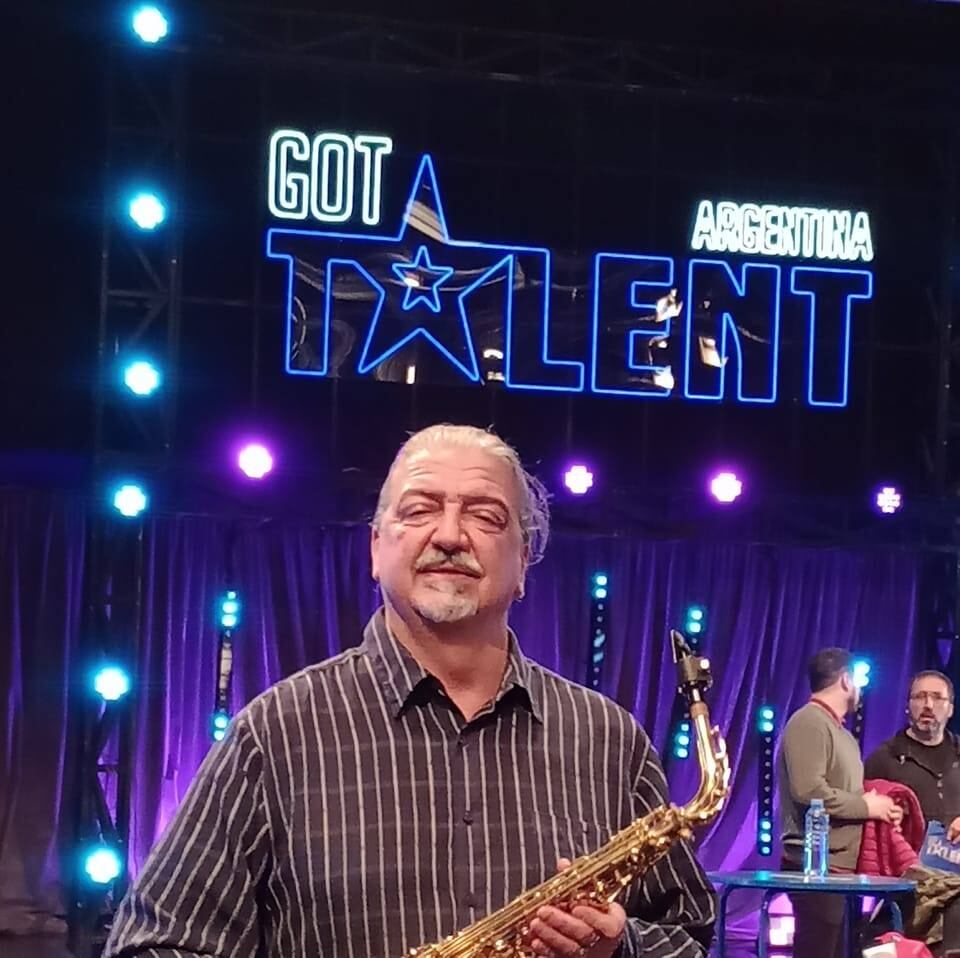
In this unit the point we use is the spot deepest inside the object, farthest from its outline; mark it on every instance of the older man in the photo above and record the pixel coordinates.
(392, 795)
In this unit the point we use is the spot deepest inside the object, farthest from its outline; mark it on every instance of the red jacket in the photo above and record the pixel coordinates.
(883, 850)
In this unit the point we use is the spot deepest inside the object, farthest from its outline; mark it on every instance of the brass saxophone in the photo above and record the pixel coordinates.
(601, 876)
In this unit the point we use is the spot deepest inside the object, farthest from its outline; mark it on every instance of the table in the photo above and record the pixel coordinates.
(852, 887)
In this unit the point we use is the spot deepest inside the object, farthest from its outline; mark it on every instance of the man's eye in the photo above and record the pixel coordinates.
(491, 518)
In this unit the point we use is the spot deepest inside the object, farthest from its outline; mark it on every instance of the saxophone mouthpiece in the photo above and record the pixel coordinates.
(693, 671)
(679, 646)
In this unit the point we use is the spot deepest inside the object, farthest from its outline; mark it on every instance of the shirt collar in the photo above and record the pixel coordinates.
(815, 701)
(401, 675)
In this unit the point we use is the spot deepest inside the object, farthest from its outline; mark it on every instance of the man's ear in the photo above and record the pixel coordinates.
(375, 553)
(524, 567)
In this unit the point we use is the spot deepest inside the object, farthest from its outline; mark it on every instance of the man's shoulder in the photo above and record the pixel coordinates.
(565, 700)
(310, 684)
(893, 746)
(808, 716)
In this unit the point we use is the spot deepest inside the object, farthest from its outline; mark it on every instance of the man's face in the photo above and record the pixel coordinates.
(449, 545)
(930, 707)
(852, 691)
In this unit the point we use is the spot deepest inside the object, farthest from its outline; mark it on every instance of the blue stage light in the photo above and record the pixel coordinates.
(111, 683)
(695, 620)
(230, 610)
(141, 377)
(129, 500)
(102, 865)
(600, 583)
(765, 719)
(681, 740)
(220, 722)
(861, 673)
(150, 24)
(147, 210)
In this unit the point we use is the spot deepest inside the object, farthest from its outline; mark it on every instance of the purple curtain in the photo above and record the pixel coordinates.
(41, 574)
(306, 593)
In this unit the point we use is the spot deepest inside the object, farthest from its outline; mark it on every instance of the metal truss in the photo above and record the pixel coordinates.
(140, 275)
(627, 62)
(102, 731)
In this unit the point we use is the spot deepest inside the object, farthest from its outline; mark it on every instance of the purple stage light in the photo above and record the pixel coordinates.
(255, 460)
(578, 479)
(725, 487)
(889, 500)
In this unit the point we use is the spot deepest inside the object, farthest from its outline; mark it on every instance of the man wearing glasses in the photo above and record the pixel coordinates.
(925, 756)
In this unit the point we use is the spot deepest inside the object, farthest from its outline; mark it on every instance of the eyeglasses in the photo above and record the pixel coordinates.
(934, 698)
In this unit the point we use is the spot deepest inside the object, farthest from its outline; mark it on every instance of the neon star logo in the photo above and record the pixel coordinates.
(419, 302)
(439, 277)
(413, 274)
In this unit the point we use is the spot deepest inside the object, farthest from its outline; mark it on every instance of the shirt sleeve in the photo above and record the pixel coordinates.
(805, 748)
(196, 895)
(673, 910)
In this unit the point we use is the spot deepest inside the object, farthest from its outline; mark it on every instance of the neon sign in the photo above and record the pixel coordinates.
(315, 177)
(794, 231)
(652, 326)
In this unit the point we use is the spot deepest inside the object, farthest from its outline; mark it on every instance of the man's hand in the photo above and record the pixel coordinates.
(883, 808)
(953, 830)
(585, 930)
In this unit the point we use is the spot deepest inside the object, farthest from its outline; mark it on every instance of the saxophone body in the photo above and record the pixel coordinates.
(601, 876)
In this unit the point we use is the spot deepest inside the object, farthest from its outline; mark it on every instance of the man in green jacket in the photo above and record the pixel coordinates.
(819, 758)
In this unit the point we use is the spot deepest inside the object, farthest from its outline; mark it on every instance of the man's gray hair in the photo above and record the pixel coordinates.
(532, 496)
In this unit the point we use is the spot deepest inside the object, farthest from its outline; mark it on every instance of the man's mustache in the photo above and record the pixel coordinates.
(441, 560)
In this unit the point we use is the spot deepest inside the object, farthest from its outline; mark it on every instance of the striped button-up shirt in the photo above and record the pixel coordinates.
(350, 811)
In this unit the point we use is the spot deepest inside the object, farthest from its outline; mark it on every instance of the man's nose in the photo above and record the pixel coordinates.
(448, 534)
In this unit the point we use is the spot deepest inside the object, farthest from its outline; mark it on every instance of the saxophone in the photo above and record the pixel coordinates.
(598, 878)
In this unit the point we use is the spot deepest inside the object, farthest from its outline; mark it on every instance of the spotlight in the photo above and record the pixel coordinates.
(111, 683)
(219, 722)
(766, 723)
(578, 479)
(149, 24)
(861, 673)
(889, 500)
(681, 740)
(765, 720)
(230, 610)
(725, 487)
(129, 500)
(695, 620)
(102, 865)
(255, 460)
(147, 210)
(600, 581)
(598, 627)
(141, 377)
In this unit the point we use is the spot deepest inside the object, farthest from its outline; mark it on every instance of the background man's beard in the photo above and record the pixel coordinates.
(445, 604)
(930, 732)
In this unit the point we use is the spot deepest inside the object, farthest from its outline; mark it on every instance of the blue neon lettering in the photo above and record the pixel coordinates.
(830, 295)
(719, 307)
(615, 283)
(413, 289)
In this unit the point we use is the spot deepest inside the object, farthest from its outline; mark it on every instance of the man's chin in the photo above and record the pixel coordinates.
(445, 612)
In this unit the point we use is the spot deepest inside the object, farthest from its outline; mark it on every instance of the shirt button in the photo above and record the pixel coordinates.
(468, 817)
(471, 900)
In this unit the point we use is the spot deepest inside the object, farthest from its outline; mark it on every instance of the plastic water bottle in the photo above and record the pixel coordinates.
(816, 840)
